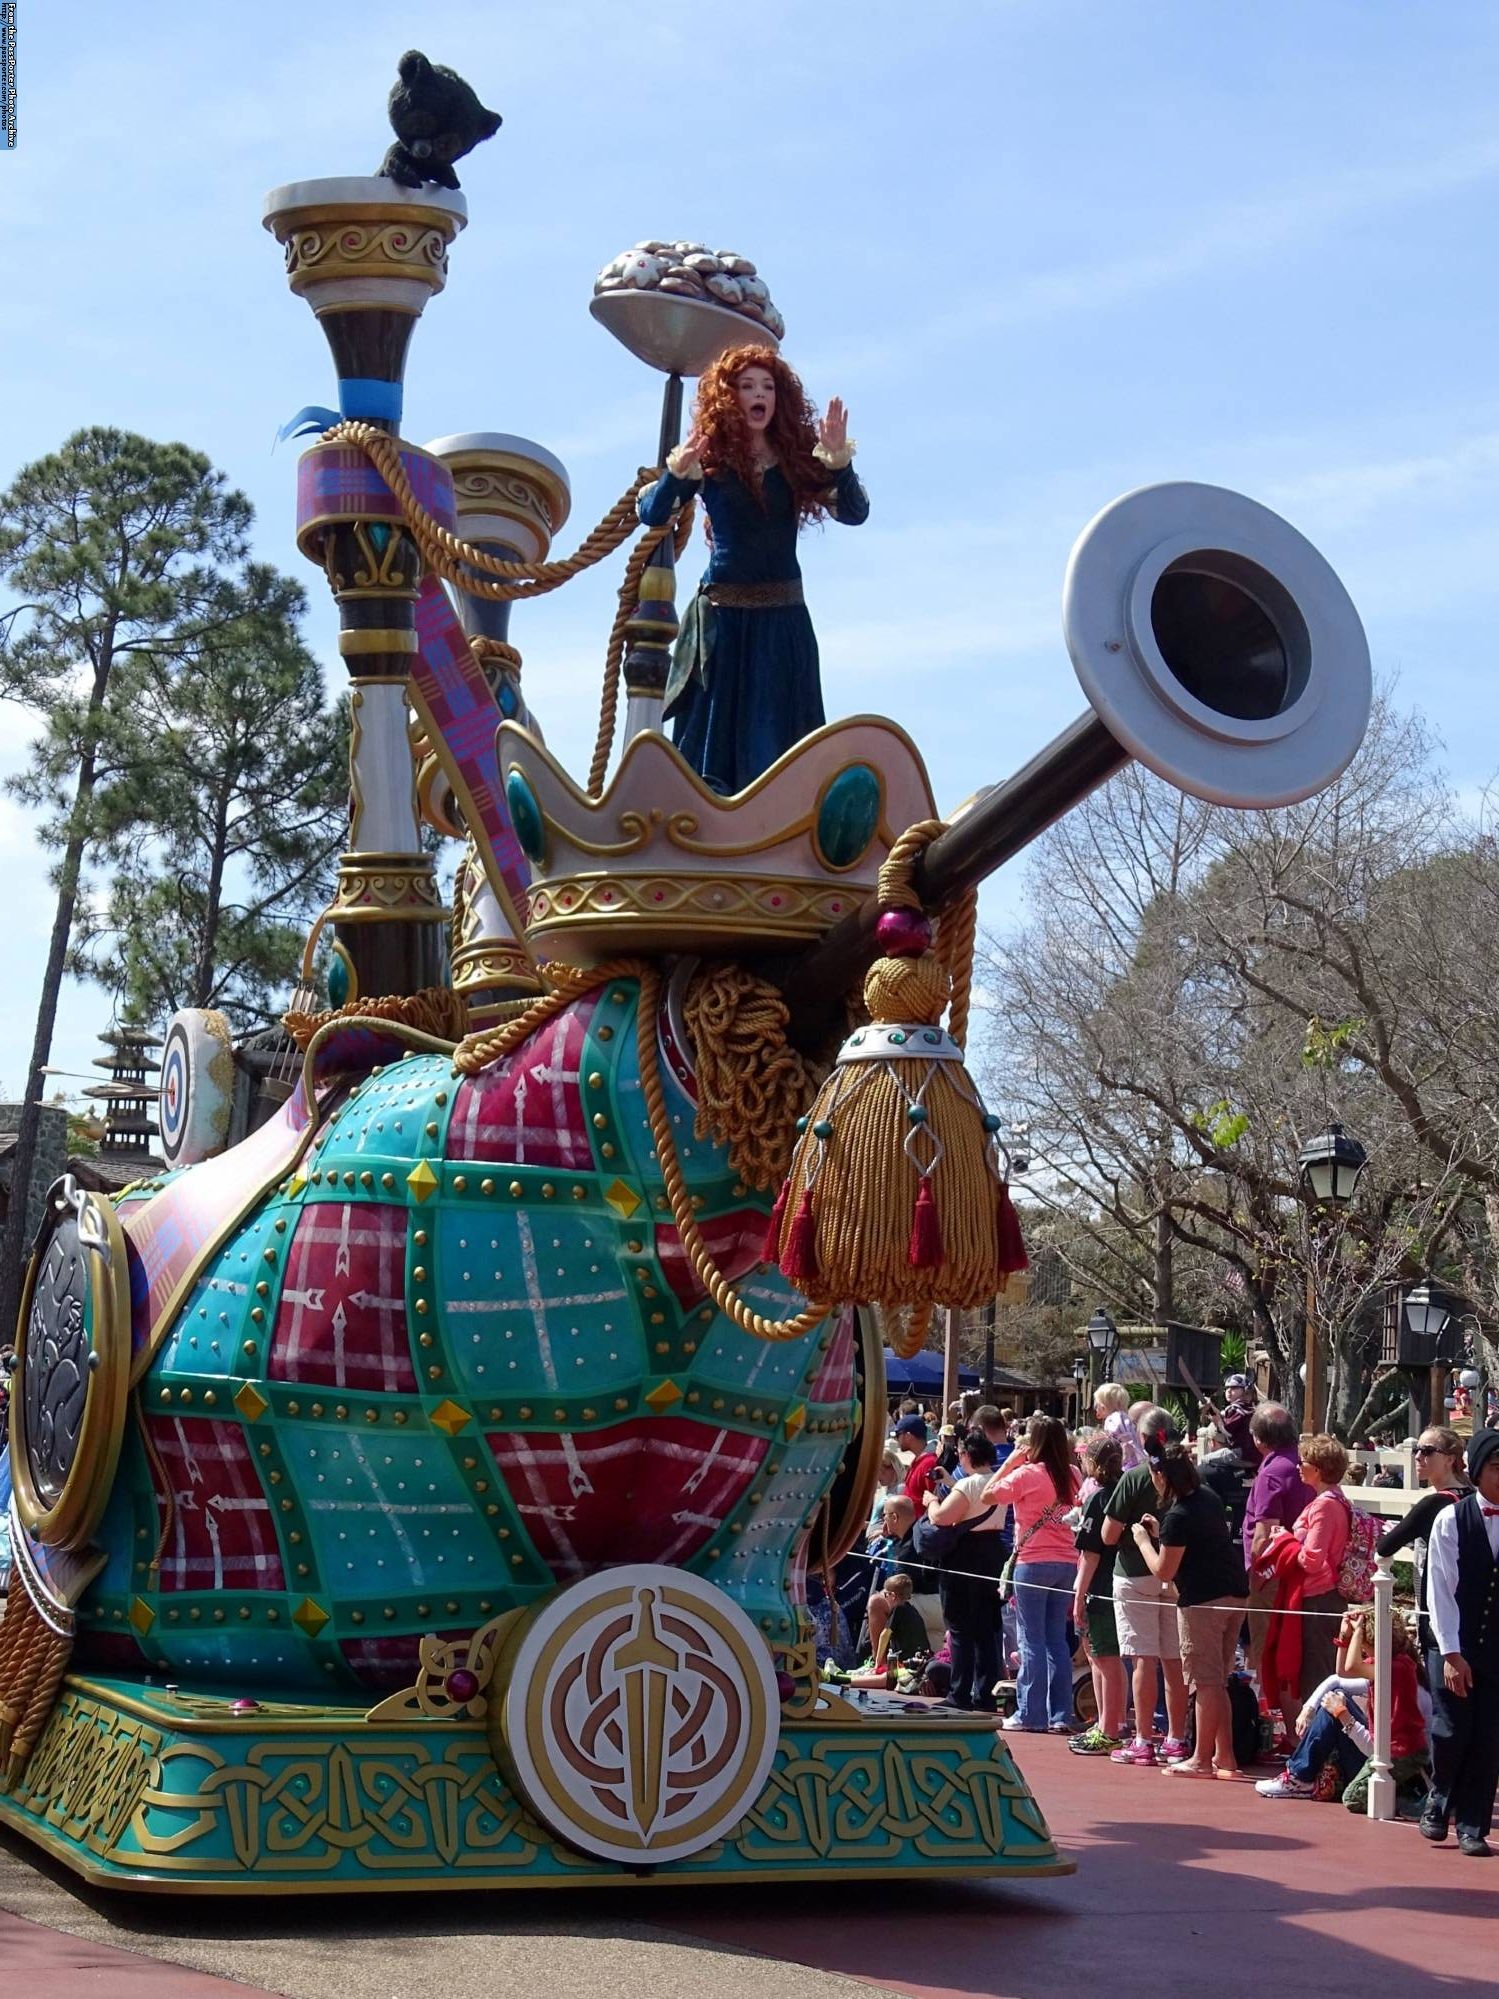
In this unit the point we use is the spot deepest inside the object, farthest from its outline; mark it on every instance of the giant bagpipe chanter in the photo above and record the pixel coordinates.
(416, 1483)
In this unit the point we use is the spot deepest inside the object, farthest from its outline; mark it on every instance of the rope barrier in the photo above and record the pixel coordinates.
(1057, 1589)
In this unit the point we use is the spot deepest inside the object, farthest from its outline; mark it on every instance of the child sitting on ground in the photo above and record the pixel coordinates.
(1334, 1752)
(902, 1641)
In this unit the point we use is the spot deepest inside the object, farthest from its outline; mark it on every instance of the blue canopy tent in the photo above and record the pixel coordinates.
(921, 1375)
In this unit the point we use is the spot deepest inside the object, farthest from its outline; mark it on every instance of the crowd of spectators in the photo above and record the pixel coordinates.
(1208, 1609)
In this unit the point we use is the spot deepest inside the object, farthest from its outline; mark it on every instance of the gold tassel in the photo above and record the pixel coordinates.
(33, 1660)
(897, 1193)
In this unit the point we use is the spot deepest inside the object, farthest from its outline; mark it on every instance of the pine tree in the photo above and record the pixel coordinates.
(115, 547)
(225, 824)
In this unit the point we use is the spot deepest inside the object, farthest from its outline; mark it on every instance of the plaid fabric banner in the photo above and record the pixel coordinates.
(835, 1378)
(651, 1490)
(223, 1535)
(737, 1243)
(341, 1322)
(182, 1225)
(457, 706)
(527, 1110)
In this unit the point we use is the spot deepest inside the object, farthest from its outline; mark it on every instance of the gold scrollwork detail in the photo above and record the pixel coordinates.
(432, 1697)
(872, 1798)
(385, 568)
(726, 906)
(379, 891)
(480, 489)
(320, 253)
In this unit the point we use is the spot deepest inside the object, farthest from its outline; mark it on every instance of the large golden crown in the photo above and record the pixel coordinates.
(662, 862)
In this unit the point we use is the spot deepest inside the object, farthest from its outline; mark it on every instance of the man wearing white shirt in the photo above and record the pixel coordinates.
(1462, 1583)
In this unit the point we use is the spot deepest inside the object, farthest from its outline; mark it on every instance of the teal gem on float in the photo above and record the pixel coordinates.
(991, 1122)
(917, 1113)
(849, 816)
(338, 981)
(525, 816)
(822, 1129)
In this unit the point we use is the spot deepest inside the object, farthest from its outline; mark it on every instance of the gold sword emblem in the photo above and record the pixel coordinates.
(646, 1664)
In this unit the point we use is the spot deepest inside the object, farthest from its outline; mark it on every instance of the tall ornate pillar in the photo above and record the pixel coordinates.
(511, 497)
(367, 255)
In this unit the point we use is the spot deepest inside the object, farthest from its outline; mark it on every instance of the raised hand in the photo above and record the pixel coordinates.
(689, 456)
(832, 431)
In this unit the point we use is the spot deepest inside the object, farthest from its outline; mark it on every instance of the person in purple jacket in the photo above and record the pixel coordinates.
(1276, 1499)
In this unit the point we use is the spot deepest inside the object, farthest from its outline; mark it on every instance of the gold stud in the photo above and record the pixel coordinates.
(419, 1237)
(460, 1183)
(516, 1190)
(419, 1273)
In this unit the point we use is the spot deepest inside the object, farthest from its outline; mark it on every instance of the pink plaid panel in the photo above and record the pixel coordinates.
(527, 1110)
(835, 1378)
(386, 1664)
(341, 1322)
(223, 1536)
(737, 1242)
(652, 1490)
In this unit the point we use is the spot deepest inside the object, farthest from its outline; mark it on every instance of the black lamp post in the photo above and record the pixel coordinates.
(1330, 1167)
(1103, 1345)
(1079, 1377)
(1426, 1311)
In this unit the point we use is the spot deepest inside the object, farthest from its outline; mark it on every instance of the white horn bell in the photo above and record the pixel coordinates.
(1217, 645)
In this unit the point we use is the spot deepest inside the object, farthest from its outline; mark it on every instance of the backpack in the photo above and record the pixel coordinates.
(1356, 1570)
(1244, 1707)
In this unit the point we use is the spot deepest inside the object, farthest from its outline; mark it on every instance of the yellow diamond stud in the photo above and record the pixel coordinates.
(295, 1185)
(622, 1198)
(309, 1617)
(422, 1181)
(448, 1417)
(142, 1616)
(662, 1396)
(795, 1419)
(249, 1401)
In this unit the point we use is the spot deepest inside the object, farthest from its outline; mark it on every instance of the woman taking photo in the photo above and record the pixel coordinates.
(970, 1586)
(1041, 1482)
(1191, 1545)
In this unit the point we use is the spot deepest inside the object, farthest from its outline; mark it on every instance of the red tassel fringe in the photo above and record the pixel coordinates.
(925, 1252)
(770, 1249)
(1012, 1256)
(799, 1263)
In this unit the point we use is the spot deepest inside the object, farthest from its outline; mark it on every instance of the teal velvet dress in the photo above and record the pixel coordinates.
(745, 684)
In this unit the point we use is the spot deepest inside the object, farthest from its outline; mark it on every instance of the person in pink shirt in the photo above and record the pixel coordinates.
(1040, 1482)
(1322, 1529)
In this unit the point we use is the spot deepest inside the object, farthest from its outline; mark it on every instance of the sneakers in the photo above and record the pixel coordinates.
(1284, 1786)
(1431, 1827)
(1138, 1752)
(1094, 1743)
(1174, 1750)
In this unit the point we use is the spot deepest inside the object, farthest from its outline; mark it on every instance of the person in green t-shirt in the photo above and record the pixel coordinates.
(1144, 1608)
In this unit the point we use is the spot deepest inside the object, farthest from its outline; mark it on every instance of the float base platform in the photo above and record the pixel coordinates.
(136, 1787)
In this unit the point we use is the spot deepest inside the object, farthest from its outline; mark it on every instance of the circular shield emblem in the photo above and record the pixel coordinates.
(67, 1409)
(641, 1715)
(197, 1086)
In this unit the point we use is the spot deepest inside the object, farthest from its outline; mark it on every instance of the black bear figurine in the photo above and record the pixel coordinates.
(436, 118)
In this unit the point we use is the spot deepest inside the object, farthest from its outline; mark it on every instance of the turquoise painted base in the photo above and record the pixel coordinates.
(135, 1787)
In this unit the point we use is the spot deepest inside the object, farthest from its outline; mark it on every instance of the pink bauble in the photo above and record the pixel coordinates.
(903, 933)
(462, 1685)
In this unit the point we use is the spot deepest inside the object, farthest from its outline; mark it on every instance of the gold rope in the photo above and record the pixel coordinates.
(457, 561)
(436, 1011)
(752, 1085)
(33, 1660)
(477, 1051)
(709, 1275)
(496, 652)
(614, 655)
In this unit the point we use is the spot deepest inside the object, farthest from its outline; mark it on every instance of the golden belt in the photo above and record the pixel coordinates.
(754, 596)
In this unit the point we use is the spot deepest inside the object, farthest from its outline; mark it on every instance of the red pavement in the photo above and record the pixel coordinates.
(1202, 1886)
(49, 1965)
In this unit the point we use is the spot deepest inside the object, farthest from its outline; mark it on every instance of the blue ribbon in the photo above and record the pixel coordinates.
(311, 417)
(364, 396)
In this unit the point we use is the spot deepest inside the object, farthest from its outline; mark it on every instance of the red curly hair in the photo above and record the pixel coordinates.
(792, 431)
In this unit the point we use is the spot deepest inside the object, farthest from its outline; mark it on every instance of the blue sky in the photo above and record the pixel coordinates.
(1047, 250)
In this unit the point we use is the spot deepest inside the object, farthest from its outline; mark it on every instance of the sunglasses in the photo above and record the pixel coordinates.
(1431, 1451)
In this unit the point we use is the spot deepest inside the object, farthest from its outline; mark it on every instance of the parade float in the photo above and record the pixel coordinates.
(421, 1490)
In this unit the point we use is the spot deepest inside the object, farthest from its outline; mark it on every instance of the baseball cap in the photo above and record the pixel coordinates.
(911, 1426)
